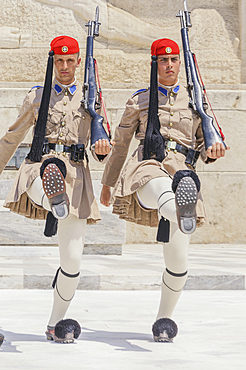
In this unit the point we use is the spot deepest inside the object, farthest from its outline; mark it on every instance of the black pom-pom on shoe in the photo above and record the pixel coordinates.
(164, 330)
(1, 339)
(66, 331)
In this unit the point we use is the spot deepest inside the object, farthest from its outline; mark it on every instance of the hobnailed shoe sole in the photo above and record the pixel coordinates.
(186, 200)
(55, 189)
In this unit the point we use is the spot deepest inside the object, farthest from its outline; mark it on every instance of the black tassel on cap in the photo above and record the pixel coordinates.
(36, 150)
(154, 143)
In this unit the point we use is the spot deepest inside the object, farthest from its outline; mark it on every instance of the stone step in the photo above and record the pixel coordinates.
(121, 282)
(140, 267)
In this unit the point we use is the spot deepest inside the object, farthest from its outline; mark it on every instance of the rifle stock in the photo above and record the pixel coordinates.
(210, 134)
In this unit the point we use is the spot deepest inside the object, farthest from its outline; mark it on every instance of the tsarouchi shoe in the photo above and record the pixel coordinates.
(55, 189)
(50, 332)
(186, 200)
(164, 330)
(65, 331)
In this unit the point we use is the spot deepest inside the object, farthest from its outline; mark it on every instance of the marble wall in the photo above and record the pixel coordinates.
(126, 32)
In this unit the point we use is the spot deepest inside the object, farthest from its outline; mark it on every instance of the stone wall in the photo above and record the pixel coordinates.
(126, 32)
(218, 37)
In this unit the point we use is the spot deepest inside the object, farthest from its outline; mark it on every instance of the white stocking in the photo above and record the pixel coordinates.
(174, 277)
(37, 194)
(71, 237)
(158, 194)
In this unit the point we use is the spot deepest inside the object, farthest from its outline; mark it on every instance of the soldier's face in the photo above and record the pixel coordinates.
(168, 69)
(65, 66)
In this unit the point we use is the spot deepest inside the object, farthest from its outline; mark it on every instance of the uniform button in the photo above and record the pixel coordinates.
(171, 103)
(61, 135)
(59, 143)
(65, 103)
(171, 113)
(175, 151)
(170, 124)
(191, 118)
(171, 94)
(64, 113)
(63, 124)
(65, 93)
(83, 117)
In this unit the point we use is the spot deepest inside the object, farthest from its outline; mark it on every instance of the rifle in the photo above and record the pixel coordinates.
(197, 99)
(92, 98)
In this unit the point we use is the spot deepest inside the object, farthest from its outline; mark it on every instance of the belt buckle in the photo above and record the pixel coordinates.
(59, 148)
(171, 145)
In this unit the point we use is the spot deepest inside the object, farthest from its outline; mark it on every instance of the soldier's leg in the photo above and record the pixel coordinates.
(175, 199)
(175, 275)
(158, 194)
(71, 237)
(37, 194)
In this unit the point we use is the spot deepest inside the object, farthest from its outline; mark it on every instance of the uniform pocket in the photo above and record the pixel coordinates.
(186, 122)
(76, 114)
(54, 117)
(53, 122)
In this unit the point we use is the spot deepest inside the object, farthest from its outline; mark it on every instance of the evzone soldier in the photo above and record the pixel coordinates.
(54, 181)
(158, 184)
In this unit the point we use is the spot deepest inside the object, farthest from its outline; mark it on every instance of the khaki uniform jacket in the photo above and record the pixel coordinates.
(67, 123)
(178, 123)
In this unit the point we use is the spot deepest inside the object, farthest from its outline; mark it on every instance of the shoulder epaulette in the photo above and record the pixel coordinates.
(139, 91)
(36, 87)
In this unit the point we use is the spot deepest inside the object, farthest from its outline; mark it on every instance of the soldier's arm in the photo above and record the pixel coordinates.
(16, 133)
(123, 136)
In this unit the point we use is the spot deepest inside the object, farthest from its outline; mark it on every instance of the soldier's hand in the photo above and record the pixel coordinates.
(103, 147)
(105, 195)
(217, 150)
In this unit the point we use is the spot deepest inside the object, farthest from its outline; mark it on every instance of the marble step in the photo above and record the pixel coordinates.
(140, 267)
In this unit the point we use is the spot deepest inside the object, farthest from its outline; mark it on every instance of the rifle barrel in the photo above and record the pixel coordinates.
(97, 23)
(97, 14)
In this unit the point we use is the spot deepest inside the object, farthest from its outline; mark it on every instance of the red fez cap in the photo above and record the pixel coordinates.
(164, 46)
(64, 45)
